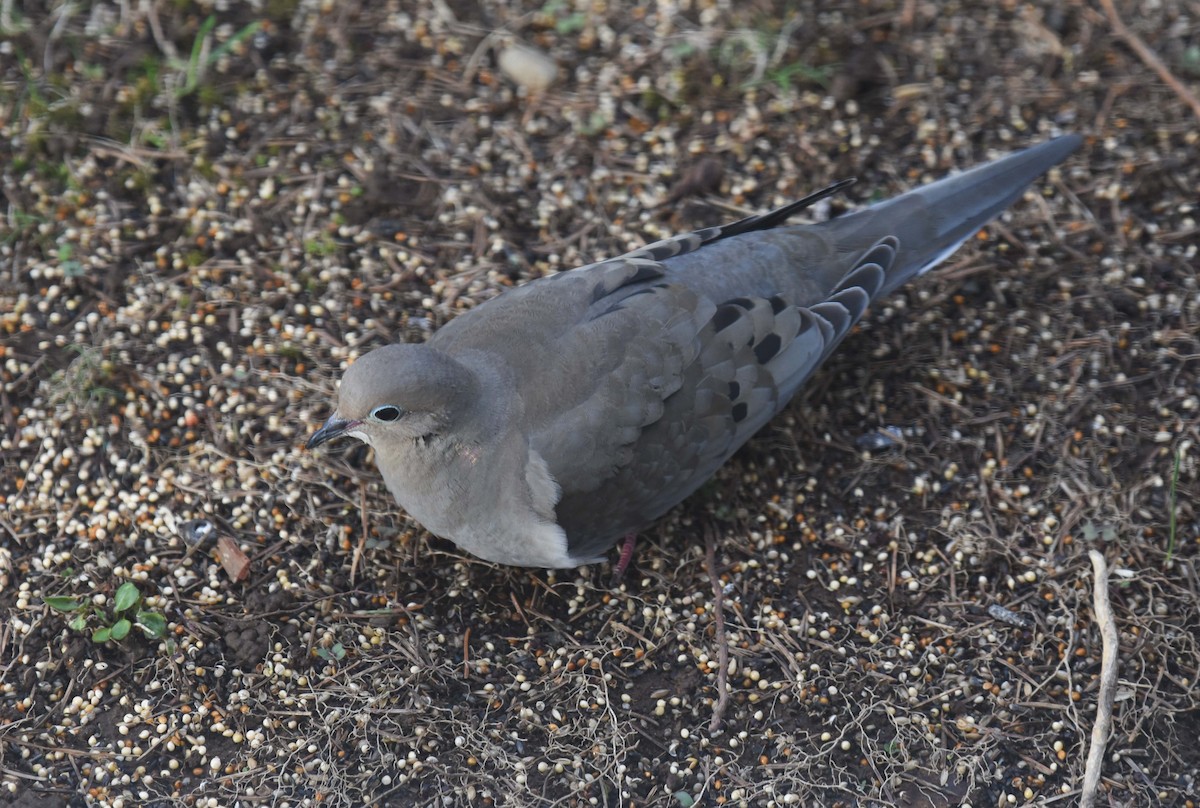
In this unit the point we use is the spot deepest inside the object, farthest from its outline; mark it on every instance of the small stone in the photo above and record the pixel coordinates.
(528, 67)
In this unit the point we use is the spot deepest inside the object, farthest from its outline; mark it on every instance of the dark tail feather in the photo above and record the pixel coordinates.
(773, 218)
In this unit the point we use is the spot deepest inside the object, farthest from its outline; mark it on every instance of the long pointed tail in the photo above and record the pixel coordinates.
(933, 221)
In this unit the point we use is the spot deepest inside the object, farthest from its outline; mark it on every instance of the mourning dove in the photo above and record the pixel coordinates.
(542, 427)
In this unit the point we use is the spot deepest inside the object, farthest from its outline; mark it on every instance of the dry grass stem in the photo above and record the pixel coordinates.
(710, 557)
(1150, 58)
(1108, 680)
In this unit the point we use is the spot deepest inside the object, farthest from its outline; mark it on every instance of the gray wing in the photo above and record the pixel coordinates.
(598, 351)
(748, 358)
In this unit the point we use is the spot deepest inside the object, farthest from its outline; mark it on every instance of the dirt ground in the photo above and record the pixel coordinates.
(211, 208)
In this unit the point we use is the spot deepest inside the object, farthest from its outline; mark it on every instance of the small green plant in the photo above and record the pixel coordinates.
(335, 653)
(204, 56)
(23, 224)
(565, 21)
(1191, 60)
(289, 350)
(83, 383)
(784, 77)
(320, 247)
(1104, 532)
(11, 21)
(595, 123)
(115, 623)
(71, 268)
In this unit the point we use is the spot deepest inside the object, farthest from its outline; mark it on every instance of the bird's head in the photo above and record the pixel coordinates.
(398, 395)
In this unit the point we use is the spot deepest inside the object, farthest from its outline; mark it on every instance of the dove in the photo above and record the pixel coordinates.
(552, 422)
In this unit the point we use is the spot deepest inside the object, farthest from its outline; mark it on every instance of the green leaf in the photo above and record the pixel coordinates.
(62, 603)
(152, 623)
(233, 41)
(571, 24)
(334, 653)
(127, 596)
(194, 67)
(120, 629)
(79, 623)
(684, 799)
(102, 634)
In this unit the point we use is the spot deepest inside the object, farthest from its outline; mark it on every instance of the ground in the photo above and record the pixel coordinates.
(212, 208)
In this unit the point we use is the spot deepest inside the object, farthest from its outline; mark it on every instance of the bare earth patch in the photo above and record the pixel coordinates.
(210, 209)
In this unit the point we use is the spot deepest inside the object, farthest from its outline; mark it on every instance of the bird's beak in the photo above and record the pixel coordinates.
(334, 427)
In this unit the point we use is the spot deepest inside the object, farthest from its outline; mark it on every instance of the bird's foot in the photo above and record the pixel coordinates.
(627, 546)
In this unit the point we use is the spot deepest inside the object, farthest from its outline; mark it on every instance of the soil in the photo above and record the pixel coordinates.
(212, 208)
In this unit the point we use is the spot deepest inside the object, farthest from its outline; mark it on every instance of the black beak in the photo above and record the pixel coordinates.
(333, 427)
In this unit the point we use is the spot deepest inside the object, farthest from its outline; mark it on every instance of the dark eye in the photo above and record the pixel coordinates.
(386, 413)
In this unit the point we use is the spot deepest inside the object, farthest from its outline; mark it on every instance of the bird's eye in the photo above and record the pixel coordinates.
(386, 413)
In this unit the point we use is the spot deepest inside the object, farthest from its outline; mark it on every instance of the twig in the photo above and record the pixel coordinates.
(1108, 680)
(1150, 58)
(710, 557)
(362, 539)
(162, 40)
(1171, 515)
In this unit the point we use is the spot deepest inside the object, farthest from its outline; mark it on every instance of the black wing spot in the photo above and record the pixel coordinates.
(768, 348)
(725, 317)
(740, 411)
(778, 304)
(735, 390)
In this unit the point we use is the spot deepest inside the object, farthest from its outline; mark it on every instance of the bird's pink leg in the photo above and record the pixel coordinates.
(627, 545)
